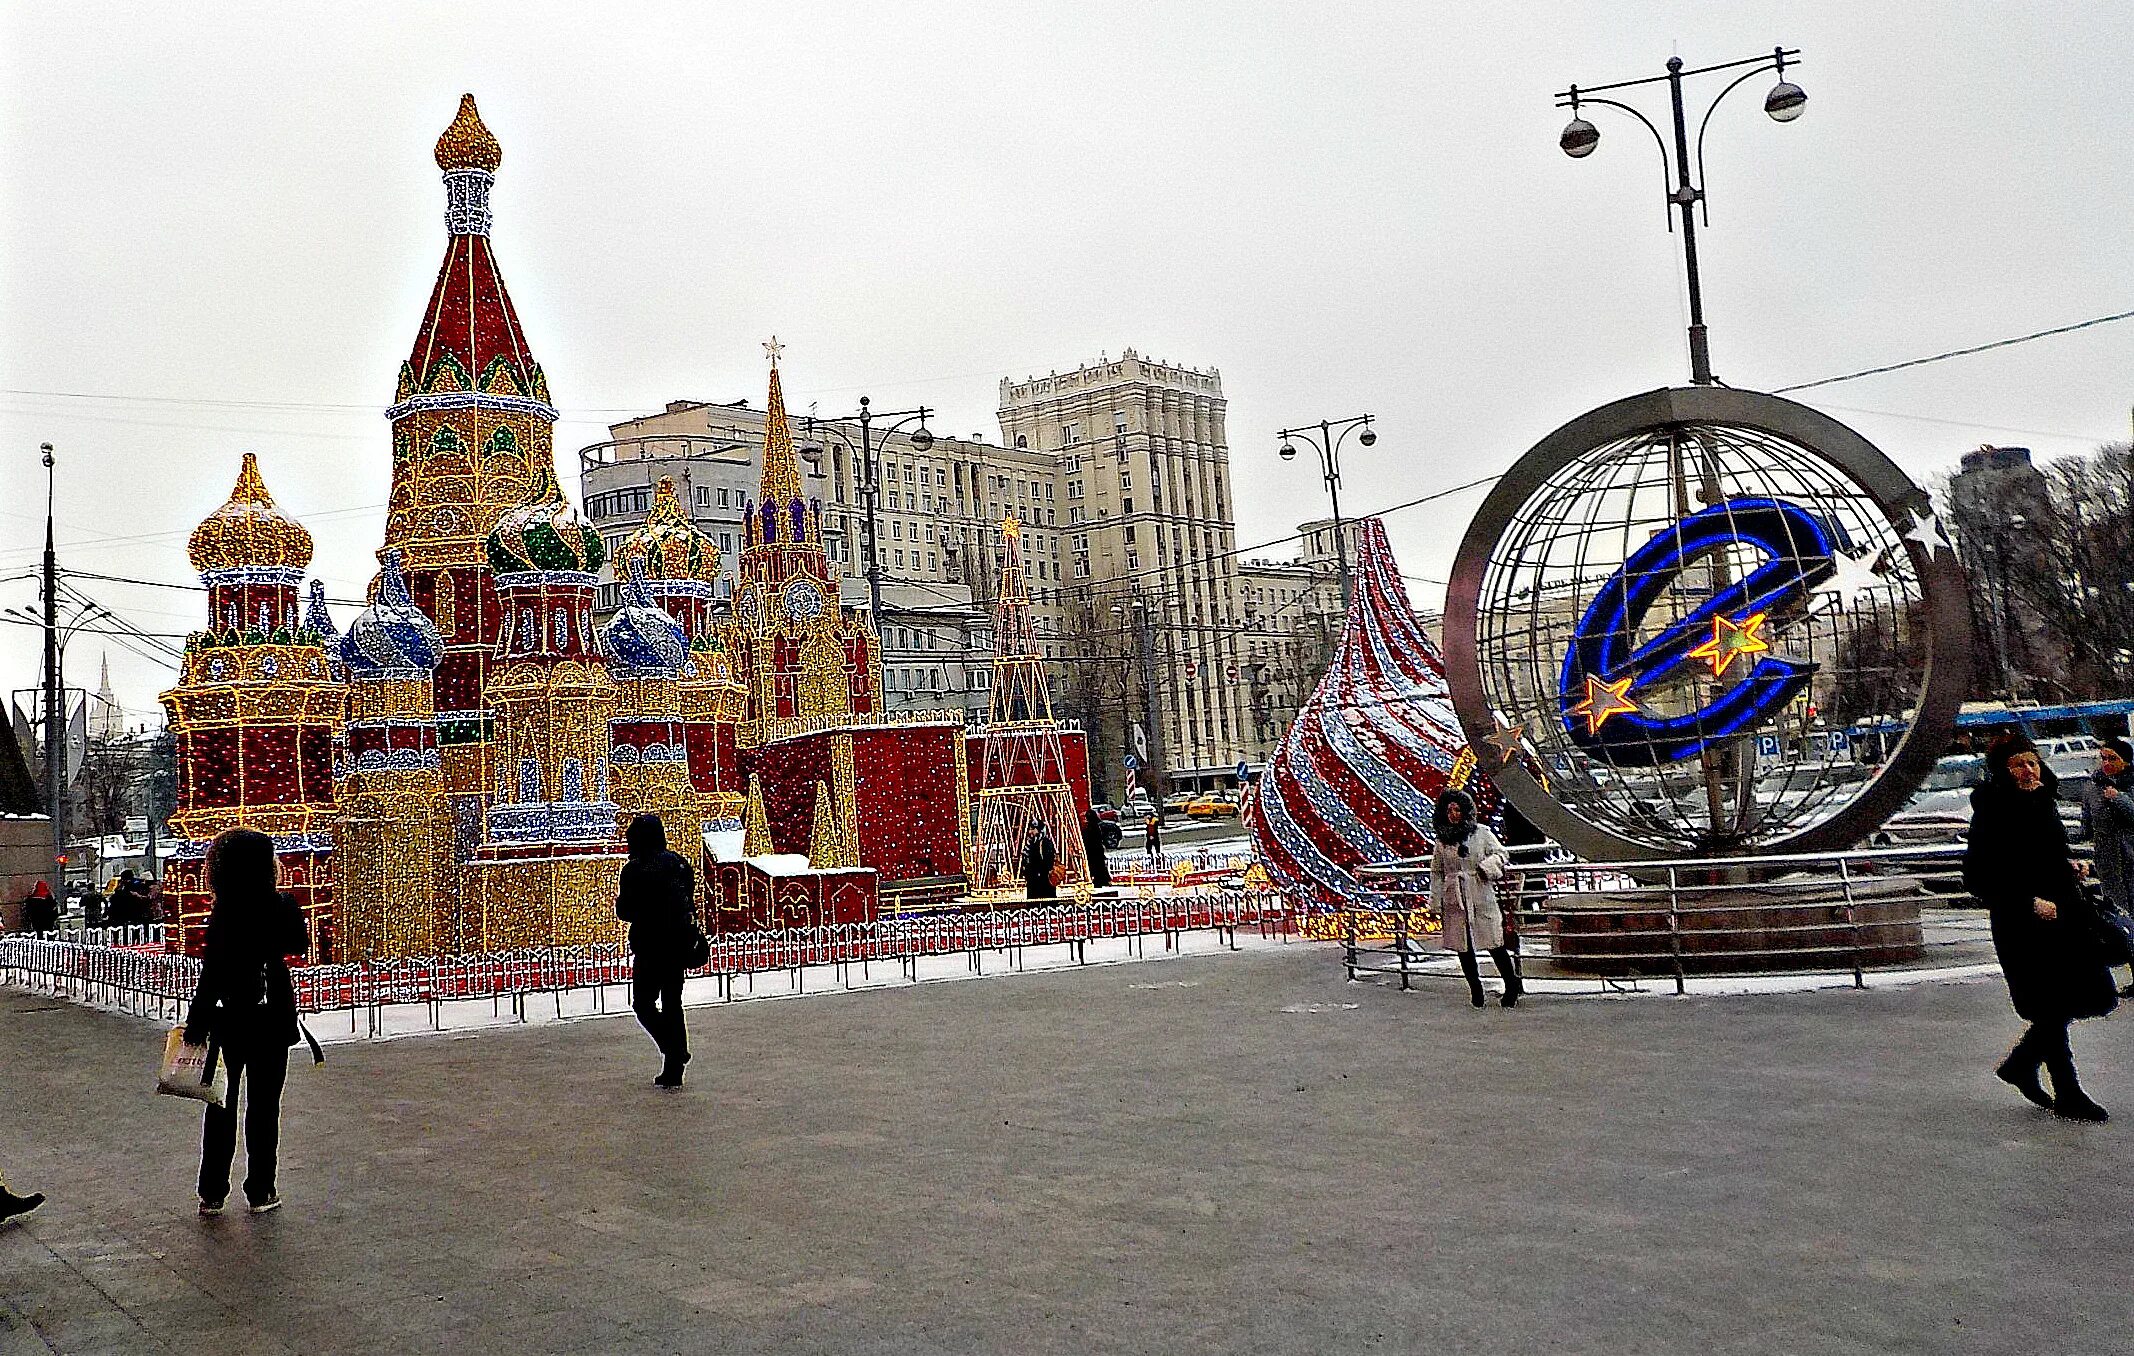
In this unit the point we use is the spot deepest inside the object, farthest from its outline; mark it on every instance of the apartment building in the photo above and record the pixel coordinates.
(1148, 595)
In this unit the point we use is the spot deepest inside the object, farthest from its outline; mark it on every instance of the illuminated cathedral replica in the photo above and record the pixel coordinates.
(452, 773)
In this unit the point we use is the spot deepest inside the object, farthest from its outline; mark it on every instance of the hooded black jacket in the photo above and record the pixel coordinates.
(658, 895)
(245, 998)
(2016, 854)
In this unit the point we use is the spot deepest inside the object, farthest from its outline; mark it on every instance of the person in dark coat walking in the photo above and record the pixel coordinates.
(658, 901)
(2108, 821)
(1039, 857)
(2044, 930)
(1093, 836)
(245, 1009)
(1152, 836)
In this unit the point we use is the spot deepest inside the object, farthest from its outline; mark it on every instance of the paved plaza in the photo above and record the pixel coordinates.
(1229, 1153)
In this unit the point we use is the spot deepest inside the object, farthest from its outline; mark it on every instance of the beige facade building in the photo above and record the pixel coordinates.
(1149, 594)
(1291, 614)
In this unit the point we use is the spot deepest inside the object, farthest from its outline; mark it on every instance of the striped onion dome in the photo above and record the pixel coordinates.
(1355, 779)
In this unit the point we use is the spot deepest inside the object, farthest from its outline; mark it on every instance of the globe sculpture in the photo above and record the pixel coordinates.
(1715, 622)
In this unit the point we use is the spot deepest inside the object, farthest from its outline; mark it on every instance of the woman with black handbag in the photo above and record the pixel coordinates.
(245, 1009)
(658, 900)
(2044, 927)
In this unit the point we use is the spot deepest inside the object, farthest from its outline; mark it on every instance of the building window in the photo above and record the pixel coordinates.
(1069, 436)
(1126, 479)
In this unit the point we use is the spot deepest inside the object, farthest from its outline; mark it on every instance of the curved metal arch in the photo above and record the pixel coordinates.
(1666, 165)
(1770, 63)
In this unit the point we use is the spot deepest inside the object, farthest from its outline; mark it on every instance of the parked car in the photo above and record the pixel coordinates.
(1105, 811)
(1140, 808)
(1211, 806)
(1177, 801)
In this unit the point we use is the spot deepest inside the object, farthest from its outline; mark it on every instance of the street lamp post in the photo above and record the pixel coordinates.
(867, 479)
(1785, 102)
(55, 720)
(1332, 434)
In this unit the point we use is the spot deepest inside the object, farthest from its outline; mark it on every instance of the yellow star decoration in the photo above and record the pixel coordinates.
(1604, 700)
(1731, 640)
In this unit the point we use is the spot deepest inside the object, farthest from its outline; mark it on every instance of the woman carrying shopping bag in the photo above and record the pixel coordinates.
(245, 1011)
(2044, 927)
(1464, 870)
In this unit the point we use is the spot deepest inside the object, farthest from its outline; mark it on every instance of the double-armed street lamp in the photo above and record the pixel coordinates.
(1332, 433)
(1785, 102)
(867, 478)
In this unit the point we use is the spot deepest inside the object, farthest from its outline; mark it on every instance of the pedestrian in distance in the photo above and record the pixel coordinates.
(2108, 822)
(244, 1009)
(1152, 836)
(1465, 867)
(1093, 835)
(12, 1205)
(658, 900)
(1039, 857)
(2044, 929)
(40, 912)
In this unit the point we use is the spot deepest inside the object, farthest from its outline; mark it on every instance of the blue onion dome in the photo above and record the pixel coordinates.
(669, 545)
(392, 638)
(317, 619)
(641, 638)
(543, 533)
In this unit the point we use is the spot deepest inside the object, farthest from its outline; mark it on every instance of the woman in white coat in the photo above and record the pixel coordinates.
(1464, 871)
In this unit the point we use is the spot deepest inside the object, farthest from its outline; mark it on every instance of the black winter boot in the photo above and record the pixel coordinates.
(1474, 978)
(2068, 1098)
(2020, 1071)
(1508, 970)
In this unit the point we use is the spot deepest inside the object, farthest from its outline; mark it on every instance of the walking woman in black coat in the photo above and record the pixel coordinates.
(1039, 857)
(658, 901)
(1093, 836)
(2044, 929)
(245, 1008)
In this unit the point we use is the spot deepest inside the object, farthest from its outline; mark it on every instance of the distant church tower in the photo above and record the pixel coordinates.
(802, 655)
(107, 719)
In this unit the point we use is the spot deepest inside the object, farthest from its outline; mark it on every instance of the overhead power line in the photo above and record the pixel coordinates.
(1956, 353)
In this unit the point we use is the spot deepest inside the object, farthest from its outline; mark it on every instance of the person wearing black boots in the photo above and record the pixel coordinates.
(1464, 870)
(2044, 928)
(658, 900)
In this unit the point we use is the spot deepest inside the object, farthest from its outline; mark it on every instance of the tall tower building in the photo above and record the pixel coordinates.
(472, 425)
(1150, 595)
(255, 711)
(801, 654)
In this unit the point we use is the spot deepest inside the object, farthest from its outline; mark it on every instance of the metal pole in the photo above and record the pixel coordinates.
(1332, 468)
(1147, 646)
(873, 490)
(1700, 354)
(55, 721)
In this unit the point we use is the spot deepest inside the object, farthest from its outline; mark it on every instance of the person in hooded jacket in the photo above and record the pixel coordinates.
(2108, 821)
(1093, 836)
(244, 1008)
(658, 900)
(1465, 866)
(2044, 929)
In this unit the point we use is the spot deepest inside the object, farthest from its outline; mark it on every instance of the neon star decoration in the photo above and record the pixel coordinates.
(1604, 700)
(772, 349)
(1510, 739)
(1731, 640)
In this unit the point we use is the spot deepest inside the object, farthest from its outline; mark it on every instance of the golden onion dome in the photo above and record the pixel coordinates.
(249, 531)
(467, 144)
(669, 545)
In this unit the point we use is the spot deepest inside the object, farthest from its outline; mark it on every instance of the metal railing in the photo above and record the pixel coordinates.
(1624, 922)
(161, 985)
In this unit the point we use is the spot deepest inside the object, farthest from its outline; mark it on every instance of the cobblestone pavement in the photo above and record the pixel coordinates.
(1235, 1153)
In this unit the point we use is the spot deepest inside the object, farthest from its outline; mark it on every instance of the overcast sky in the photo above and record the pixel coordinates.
(218, 226)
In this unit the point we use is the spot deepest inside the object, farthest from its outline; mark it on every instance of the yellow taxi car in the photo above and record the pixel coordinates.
(1211, 806)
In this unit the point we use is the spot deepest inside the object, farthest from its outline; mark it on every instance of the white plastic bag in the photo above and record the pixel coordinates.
(185, 1071)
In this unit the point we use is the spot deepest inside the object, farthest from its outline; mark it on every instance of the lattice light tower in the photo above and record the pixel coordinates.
(1023, 776)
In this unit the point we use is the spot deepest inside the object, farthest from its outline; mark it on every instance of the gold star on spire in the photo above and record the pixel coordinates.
(1604, 700)
(1011, 526)
(1731, 640)
(771, 349)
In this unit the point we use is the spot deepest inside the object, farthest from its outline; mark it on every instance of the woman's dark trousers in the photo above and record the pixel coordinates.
(656, 994)
(2046, 1043)
(269, 1068)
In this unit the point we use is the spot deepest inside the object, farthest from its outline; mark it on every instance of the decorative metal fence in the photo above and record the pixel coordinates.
(1618, 923)
(160, 985)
